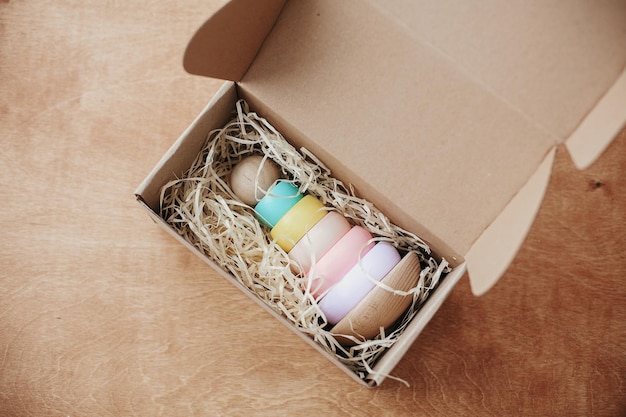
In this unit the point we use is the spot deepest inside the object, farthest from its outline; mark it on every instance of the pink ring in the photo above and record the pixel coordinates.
(318, 240)
(339, 259)
(357, 283)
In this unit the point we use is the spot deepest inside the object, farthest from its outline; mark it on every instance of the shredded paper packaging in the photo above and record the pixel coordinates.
(206, 212)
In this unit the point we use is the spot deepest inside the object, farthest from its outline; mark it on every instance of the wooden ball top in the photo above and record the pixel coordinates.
(251, 178)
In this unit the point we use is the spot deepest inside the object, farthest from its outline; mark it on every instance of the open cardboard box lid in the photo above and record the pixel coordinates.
(444, 113)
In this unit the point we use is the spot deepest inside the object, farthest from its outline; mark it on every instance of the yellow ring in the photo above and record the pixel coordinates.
(297, 222)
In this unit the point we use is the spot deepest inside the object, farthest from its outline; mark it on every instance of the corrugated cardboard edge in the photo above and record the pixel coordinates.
(600, 126)
(497, 246)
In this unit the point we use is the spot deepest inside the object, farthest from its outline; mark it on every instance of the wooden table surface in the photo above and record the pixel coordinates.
(103, 314)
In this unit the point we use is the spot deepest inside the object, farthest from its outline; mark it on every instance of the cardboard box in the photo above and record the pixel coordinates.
(445, 116)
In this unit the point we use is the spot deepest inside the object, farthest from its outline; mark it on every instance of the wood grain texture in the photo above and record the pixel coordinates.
(102, 314)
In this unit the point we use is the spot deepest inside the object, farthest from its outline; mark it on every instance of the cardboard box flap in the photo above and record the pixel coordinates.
(494, 250)
(600, 126)
(552, 60)
(227, 43)
(442, 138)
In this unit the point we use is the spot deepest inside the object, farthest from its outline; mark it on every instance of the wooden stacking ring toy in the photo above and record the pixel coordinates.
(348, 273)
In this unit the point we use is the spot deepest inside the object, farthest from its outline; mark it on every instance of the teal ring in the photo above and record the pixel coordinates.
(278, 201)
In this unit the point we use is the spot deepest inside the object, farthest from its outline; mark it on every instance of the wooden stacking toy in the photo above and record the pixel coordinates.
(339, 262)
